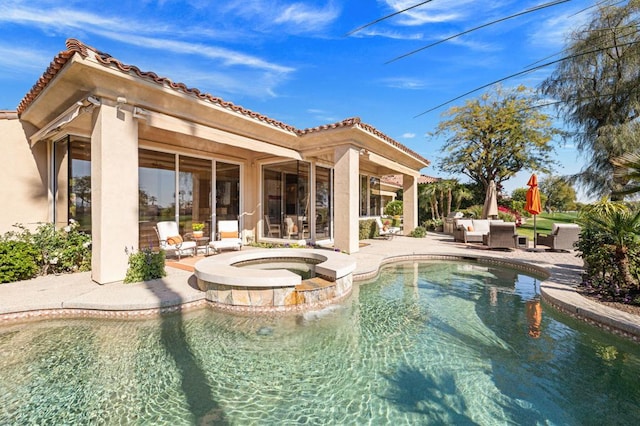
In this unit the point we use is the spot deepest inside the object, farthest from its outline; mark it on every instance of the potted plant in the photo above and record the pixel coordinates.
(198, 229)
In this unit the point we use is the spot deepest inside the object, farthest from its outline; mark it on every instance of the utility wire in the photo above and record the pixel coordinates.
(596, 5)
(526, 71)
(603, 36)
(533, 9)
(386, 17)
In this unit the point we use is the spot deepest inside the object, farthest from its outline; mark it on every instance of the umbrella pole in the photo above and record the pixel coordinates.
(535, 236)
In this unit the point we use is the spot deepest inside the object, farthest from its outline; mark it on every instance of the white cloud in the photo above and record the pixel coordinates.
(264, 75)
(395, 35)
(292, 18)
(408, 135)
(553, 32)
(435, 11)
(307, 18)
(18, 59)
(404, 83)
(322, 116)
(121, 30)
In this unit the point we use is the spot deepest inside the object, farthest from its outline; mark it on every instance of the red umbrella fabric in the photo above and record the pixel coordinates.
(533, 205)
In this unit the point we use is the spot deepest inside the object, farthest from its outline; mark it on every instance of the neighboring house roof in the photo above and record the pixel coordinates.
(75, 46)
(397, 179)
(8, 115)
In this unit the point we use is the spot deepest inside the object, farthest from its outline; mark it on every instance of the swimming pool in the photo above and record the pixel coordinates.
(429, 342)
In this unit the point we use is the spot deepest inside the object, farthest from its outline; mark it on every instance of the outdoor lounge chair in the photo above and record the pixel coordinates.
(273, 230)
(562, 237)
(386, 231)
(502, 235)
(291, 229)
(171, 241)
(227, 237)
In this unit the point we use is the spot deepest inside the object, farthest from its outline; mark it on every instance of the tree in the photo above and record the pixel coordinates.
(559, 193)
(496, 136)
(598, 91)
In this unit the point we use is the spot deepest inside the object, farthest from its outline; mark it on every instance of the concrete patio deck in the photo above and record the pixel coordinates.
(77, 295)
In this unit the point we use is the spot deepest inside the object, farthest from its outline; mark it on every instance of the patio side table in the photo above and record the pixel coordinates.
(202, 243)
(522, 241)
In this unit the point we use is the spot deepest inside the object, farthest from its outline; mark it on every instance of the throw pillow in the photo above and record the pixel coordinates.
(174, 240)
(230, 234)
(470, 228)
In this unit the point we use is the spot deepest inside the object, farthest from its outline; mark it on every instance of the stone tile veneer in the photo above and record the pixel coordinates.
(310, 294)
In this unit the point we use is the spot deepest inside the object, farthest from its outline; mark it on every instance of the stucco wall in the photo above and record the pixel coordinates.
(23, 178)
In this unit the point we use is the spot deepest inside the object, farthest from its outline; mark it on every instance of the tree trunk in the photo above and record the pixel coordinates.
(623, 267)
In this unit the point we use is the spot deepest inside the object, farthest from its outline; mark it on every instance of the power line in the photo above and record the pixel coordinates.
(526, 71)
(596, 5)
(533, 9)
(386, 17)
(595, 30)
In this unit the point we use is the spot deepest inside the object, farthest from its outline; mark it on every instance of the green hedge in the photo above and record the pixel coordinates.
(51, 250)
(19, 260)
(368, 229)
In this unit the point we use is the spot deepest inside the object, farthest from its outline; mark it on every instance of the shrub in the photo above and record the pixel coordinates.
(56, 251)
(393, 208)
(63, 250)
(145, 265)
(19, 260)
(432, 224)
(610, 247)
(368, 229)
(418, 232)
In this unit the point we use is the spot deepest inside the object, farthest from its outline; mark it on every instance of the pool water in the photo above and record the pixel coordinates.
(303, 267)
(424, 343)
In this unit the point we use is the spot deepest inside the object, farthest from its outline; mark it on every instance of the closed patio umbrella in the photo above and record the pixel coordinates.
(532, 204)
(490, 208)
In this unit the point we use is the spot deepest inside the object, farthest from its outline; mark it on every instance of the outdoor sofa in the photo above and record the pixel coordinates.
(471, 230)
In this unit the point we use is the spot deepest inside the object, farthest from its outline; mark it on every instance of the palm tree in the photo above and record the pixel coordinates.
(622, 225)
(461, 193)
(628, 168)
(428, 197)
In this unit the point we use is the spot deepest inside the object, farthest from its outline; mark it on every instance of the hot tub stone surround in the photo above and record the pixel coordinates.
(229, 286)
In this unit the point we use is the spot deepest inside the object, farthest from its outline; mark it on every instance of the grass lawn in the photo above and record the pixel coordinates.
(544, 223)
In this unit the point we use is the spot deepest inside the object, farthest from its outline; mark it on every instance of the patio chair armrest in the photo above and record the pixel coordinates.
(545, 240)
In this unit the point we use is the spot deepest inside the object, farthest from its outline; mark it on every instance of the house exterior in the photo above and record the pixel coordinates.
(391, 184)
(118, 149)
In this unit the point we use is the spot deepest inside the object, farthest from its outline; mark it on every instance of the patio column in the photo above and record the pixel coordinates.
(346, 192)
(409, 203)
(114, 192)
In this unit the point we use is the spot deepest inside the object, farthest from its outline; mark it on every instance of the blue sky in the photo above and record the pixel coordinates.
(291, 60)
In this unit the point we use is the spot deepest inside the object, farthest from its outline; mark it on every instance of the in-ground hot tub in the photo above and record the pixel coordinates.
(244, 281)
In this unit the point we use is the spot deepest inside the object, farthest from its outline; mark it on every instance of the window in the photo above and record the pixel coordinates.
(156, 193)
(370, 199)
(286, 200)
(80, 184)
(324, 203)
(194, 193)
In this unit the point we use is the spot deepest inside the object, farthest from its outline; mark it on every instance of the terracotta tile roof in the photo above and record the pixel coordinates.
(356, 122)
(75, 46)
(397, 179)
(8, 115)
